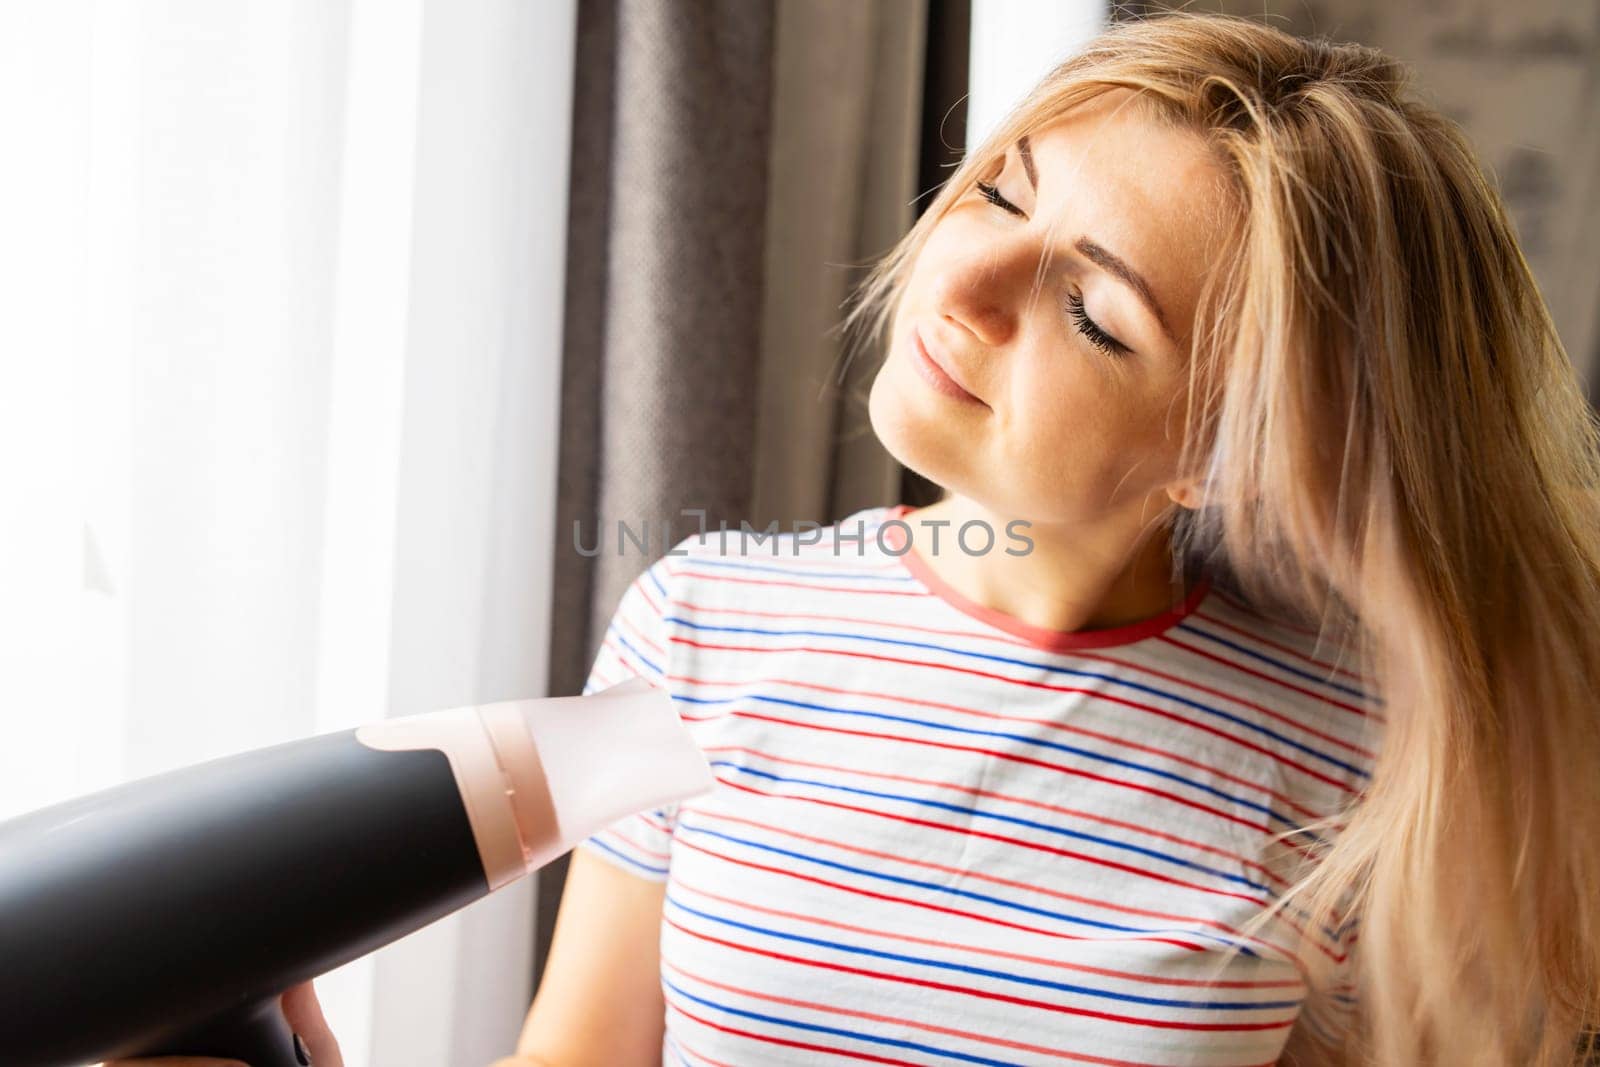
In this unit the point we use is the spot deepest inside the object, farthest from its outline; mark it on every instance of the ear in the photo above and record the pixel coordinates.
(1187, 493)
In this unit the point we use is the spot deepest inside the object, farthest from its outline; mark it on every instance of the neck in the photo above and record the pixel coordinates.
(1075, 577)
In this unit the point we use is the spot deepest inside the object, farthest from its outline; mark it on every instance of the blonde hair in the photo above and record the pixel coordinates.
(1394, 446)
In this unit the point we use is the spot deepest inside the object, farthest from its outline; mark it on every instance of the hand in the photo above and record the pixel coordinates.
(304, 1015)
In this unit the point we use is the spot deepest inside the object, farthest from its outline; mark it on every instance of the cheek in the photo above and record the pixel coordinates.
(1081, 423)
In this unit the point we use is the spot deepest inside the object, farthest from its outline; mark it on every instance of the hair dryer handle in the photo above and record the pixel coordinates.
(256, 1033)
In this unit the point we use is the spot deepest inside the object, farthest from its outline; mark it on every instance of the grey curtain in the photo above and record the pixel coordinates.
(735, 165)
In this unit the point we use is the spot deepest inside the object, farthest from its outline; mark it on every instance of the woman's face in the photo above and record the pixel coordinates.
(1072, 410)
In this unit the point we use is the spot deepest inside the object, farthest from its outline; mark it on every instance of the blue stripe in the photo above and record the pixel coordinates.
(857, 1035)
(1272, 894)
(1268, 890)
(1016, 820)
(983, 972)
(1021, 738)
(1264, 658)
(614, 631)
(655, 580)
(597, 843)
(1045, 667)
(1078, 920)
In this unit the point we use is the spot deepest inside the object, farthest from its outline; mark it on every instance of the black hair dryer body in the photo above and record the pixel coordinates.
(166, 916)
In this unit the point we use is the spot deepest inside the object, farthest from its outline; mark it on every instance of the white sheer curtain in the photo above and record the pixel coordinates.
(278, 402)
(1014, 44)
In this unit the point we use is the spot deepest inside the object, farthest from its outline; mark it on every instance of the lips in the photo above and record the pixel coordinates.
(936, 371)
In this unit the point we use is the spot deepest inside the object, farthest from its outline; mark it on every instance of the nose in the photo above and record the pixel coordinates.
(986, 290)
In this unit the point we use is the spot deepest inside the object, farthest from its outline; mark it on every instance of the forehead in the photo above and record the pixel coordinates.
(1150, 192)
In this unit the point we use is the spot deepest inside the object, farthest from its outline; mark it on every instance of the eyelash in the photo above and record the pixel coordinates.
(1086, 326)
(991, 193)
(1095, 335)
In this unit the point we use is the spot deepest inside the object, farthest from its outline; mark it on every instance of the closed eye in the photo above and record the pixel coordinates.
(1090, 329)
(992, 194)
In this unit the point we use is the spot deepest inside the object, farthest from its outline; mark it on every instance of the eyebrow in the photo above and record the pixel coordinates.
(1104, 258)
(1025, 150)
(1099, 254)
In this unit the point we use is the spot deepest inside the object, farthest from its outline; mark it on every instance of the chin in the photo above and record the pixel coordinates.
(919, 440)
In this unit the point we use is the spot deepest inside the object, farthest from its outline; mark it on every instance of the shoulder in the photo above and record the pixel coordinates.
(1305, 681)
(1320, 719)
(1321, 661)
(767, 576)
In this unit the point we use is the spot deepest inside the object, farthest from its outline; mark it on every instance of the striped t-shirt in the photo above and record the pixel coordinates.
(943, 835)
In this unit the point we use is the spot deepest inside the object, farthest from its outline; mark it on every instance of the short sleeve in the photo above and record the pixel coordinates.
(1327, 950)
(635, 646)
(1329, 1014)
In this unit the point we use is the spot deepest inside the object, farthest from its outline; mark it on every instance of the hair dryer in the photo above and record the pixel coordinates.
(166, 916)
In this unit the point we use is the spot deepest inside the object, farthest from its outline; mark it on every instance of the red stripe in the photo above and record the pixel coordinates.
(684, 1046)
(1052, 850)
(1287, 919)
(625, 660)
(1009, 757)
(784, 1041)
(991, 676)
(1245, 609)
(1024, 801)
(640, 636)
(1287, 650)
(657, 823)
(946, 1031)
(1017, 643)
(1063, 727)
(1018, 842)
(631, 843)
(1322, 735)
(1056, 894)
(985, 994)
(1252, 672)
(925, 905)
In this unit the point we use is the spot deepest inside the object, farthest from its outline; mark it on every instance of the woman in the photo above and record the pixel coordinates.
(1228, 345)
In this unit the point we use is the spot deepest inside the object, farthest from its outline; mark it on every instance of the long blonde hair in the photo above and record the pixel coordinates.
(1395, 446)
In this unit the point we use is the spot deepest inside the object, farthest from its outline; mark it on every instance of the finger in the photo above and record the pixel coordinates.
(303, 1012)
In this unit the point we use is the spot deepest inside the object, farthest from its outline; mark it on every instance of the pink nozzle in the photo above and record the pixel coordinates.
(537, 776)
(609, 754)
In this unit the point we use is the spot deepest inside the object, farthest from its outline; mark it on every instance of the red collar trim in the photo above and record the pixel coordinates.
(1038, 636)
